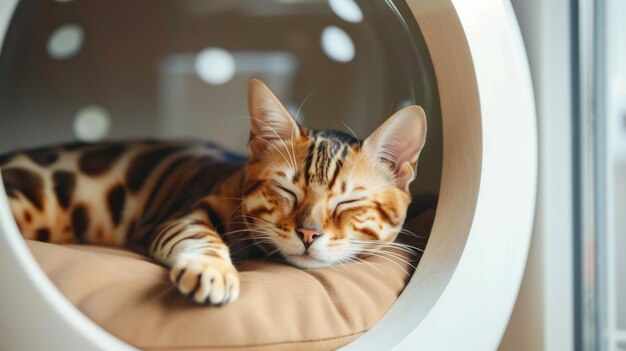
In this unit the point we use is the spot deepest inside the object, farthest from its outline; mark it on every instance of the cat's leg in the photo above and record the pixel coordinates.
(199, 259)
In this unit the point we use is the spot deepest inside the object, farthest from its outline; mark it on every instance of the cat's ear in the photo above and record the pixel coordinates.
(269, 119)
(398, 143)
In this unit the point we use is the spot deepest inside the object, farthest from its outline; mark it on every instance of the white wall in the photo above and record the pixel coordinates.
(613, 296)
(543, 315)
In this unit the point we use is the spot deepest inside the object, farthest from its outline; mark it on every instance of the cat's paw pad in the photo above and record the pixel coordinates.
(207, 280)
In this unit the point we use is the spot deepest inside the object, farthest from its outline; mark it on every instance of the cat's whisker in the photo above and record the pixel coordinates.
(223, 224)
(269, 254)
(410, 233)
(404, 247)
(360, 260)
(344, 264)
(340, 262)
(235, 232)
(293, 128)
(256, 235)
(264, 224)
(411, 251)
(333, 267)
(305, 100)
(276, 225)
(395, 253)
(256, 232)
(359, 156)
(261, 223)
(272, 144)
(235, 210)
(275, 146)
(380, 253)
(397, 264)
(292, 157)
(359, 153)
(377, 254)
(387, 251)
(255, 242)
(293, 150)
(249, 228)
(267, 125)
(391, 255)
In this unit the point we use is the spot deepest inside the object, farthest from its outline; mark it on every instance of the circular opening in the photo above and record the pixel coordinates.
(381, 65)
(183, 73)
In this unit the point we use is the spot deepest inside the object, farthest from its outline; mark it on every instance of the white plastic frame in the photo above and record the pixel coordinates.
(463, 290)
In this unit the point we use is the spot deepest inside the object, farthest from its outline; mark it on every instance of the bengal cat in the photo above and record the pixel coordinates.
(313, 197)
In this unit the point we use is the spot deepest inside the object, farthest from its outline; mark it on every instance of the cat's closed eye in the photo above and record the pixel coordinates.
(287, 193)
(347, 203)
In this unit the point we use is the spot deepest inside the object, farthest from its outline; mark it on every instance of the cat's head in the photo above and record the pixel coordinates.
(322, 197)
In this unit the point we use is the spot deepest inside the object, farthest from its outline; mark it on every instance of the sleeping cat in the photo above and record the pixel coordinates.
(314, 198)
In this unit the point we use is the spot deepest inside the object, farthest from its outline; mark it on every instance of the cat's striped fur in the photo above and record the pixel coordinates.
(312, 197)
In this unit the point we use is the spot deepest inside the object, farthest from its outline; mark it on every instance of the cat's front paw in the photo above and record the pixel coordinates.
(206, 279)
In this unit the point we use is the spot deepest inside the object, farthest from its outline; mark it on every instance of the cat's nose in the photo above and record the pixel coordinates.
(308, 236)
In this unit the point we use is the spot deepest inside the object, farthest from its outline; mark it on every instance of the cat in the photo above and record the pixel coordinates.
(314, 198)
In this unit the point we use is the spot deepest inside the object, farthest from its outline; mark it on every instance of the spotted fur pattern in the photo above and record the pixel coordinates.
(313, 198)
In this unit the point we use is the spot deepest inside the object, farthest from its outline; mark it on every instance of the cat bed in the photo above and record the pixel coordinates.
(280, 307)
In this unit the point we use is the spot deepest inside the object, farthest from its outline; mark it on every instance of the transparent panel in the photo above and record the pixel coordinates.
(172, 69)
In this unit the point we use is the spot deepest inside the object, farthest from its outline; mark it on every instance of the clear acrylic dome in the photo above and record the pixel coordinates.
(179, 69)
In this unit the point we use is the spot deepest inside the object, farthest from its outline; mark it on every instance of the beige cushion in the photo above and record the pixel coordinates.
(280, 307)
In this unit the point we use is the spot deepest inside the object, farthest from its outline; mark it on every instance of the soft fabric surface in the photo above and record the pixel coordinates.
(280, 307)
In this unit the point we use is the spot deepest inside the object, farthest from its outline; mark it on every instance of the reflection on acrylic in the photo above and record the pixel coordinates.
(337, 44)
(215, 66)
(65, 41)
